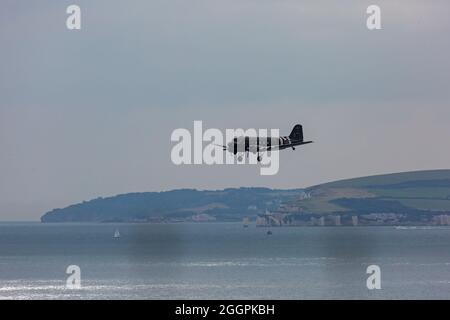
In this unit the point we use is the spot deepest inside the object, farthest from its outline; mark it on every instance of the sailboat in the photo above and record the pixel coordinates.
(116, 234)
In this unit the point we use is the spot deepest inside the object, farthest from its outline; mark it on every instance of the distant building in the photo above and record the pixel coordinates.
(322, 221)
(304, 195)
(203, 217)
(260, 221)
(443, 220)
(337, 220)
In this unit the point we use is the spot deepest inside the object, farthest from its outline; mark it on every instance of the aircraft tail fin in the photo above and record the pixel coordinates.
(297, 133)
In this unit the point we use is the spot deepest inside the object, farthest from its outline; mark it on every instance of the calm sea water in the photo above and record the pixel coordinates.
(218, 261)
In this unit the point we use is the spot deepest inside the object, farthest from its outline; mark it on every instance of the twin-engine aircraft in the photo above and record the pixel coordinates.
(241, 145)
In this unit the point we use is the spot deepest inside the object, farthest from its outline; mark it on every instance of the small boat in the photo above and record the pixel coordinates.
(117, 234)
(246, 222)
(269, 232)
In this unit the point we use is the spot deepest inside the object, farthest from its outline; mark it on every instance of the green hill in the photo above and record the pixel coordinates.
(176, 205)
(412, 196)
(419, 197)
(389, 179)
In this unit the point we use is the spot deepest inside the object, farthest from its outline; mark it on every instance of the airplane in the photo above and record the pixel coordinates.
(259, 145)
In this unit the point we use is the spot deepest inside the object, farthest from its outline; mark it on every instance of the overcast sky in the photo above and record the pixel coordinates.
(89, 113)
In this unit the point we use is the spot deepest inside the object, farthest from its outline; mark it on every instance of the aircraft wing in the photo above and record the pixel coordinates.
(252, 148)
(290, 145)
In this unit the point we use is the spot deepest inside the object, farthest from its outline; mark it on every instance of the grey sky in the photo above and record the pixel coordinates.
(89, 113)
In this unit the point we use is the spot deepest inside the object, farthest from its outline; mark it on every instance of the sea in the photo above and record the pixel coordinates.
(222, 261)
